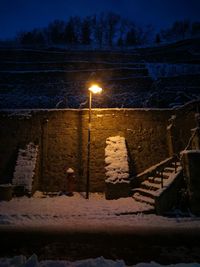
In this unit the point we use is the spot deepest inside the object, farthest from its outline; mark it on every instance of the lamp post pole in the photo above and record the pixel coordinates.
(95, 89)
(88, 147)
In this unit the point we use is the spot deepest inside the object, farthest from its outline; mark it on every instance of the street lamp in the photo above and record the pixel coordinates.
(94, 89)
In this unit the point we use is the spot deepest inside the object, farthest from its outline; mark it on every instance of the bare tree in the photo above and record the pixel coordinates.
(112, 20)
(56, 31)
(86, 31)
(98, 25)
(70, 32)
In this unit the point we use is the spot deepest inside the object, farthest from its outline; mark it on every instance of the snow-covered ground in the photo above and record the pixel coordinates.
(93, 214)
(21, 261)
(79, 214)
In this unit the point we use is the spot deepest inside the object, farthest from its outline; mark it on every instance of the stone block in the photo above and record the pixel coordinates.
(6, 192)
(118, 190)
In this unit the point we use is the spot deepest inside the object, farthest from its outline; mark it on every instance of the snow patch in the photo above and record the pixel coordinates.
(25, 167)
(100, 261)
(116, 159)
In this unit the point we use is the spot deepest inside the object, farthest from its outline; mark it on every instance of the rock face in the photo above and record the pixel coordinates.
(117, 169)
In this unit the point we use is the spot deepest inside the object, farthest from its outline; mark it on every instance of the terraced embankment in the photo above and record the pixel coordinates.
(59, 78)
(64, 76)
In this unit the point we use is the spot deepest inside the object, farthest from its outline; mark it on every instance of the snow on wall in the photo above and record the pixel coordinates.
(25, 166)
(116, 159)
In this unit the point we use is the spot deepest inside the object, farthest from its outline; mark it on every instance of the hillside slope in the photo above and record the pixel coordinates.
(59, 79)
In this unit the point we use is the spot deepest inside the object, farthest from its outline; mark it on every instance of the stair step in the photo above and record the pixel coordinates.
(177, 163)
(155, 180)
(144, 192)
(166, 174)
(169, 169)
(150, 185)
(140, 198)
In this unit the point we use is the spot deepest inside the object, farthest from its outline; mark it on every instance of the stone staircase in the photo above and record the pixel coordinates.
(157, 182)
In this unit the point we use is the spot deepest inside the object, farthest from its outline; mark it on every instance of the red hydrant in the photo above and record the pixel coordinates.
(70, 182)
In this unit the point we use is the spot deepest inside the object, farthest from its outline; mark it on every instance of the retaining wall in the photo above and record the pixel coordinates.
(62, 139)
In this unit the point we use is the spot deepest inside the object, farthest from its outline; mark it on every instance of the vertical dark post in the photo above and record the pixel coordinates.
(171, 135)
(197, 130)
(162, 179)
(43, 152)
(88, 147)
(175, 163)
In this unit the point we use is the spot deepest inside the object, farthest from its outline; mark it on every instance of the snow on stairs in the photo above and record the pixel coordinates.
(141, 198)
(154, 185)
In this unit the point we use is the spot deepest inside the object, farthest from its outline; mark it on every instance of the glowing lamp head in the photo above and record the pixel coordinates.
(95, 89)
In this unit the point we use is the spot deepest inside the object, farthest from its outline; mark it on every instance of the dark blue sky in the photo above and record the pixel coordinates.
(19, 15)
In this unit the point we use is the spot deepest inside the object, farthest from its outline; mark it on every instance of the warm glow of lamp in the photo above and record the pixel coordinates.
(95, 89)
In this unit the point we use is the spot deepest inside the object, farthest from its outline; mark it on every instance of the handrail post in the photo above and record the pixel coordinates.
(175, 166)
(162, 179)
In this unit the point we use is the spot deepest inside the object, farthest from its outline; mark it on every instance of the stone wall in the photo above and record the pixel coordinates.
(62, 139)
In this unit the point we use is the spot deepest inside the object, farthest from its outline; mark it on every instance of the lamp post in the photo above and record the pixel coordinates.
(94, 89)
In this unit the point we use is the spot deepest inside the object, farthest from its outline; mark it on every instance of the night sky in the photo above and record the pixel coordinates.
(19, 15)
